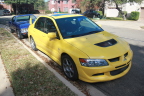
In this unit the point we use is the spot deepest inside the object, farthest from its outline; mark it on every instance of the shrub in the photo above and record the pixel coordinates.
(48, 12)
(100, 12)
(134, 15)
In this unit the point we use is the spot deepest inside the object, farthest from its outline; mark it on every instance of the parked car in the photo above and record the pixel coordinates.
(6, 12)
(20, 24)
(91, 14)
(83, 49)
(75, 11)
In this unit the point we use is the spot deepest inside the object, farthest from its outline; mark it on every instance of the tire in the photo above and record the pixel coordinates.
(33, 45)
(20, 36)
(11, 30)
(69, 68)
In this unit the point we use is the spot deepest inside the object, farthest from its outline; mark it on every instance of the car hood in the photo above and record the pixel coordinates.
(90, 45)
(23, 24)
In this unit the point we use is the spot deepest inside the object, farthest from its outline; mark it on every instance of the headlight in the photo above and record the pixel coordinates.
(93, 62)
(24, 30)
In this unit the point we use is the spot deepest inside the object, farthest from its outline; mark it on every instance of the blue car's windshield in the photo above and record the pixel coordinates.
(25, 18)
(77, 26)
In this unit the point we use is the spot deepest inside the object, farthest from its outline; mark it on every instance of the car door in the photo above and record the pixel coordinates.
(40, 35)
(54, 45)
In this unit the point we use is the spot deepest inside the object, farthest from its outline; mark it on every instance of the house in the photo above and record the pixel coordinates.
(111, 11)
(62, 5)
(4, 6)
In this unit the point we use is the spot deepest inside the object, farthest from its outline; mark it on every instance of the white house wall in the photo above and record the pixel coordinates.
(132, 7)
(112, 13)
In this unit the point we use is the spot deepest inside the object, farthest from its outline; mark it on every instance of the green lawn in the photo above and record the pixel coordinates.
(28, 76)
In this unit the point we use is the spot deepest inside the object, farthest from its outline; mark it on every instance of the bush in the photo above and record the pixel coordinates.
(48, 12)
(100, 12)
(63, 12)
(134, 15)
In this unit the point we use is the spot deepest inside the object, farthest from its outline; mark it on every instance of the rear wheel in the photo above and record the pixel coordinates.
(69, 68)
(33, 45)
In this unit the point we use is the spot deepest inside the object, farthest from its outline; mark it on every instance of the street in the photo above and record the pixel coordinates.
(132, 84)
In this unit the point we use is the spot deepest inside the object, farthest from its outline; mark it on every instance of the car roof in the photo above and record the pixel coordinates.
(57, 16)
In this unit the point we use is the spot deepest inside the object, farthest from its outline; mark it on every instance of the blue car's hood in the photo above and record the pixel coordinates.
(23, 24)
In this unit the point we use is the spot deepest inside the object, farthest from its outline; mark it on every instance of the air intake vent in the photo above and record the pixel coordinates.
(108, 43)
(114, 59)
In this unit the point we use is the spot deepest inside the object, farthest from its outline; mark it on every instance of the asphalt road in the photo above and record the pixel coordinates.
(132, 84)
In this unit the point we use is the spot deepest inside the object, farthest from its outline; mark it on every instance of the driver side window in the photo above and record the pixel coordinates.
(40, 24)
(49, 25)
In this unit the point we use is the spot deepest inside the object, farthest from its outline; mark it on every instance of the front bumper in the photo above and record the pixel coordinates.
(106, 73)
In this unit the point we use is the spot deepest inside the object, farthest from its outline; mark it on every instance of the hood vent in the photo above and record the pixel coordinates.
(108, 43)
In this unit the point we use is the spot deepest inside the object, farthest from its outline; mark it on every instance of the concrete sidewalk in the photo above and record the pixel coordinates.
(5, 86)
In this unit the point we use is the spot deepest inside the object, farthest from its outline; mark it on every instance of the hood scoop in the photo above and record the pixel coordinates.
(107, 43)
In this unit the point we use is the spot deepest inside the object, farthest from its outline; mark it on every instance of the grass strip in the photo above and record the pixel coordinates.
(27, 75)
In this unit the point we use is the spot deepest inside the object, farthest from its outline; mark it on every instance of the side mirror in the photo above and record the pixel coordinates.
(52, 35)
(30, 21)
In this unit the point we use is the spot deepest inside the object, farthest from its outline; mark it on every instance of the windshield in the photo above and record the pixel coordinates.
(77, 26)
(25, 18)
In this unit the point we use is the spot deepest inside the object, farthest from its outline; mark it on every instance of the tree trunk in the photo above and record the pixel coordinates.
(124, 18)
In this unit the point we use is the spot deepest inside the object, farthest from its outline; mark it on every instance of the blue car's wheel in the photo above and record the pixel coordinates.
(20, 36)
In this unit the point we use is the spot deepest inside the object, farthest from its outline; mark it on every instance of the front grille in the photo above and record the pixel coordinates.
(118, 71)
(114, 59)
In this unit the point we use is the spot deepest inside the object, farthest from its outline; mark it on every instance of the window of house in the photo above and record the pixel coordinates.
(53, 2)
(65, 2)
(65, 9)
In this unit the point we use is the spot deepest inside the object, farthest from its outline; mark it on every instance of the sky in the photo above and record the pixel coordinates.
(45, 0)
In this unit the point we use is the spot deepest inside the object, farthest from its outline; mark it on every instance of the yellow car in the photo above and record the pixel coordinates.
(83, 49)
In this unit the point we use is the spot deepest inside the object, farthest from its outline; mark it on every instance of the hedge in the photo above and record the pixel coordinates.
(134, 15)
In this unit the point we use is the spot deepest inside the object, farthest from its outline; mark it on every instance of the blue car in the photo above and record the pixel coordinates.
(20, 24)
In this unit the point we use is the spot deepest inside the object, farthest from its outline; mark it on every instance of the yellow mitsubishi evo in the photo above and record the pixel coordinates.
(83, 49)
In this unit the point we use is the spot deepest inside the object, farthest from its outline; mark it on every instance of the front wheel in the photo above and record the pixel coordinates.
(33, 45)
(20, 36)
(69, 68)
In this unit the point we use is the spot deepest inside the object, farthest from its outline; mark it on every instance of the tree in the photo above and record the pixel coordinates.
(101, 4)
(120, 2)
(38, 4)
